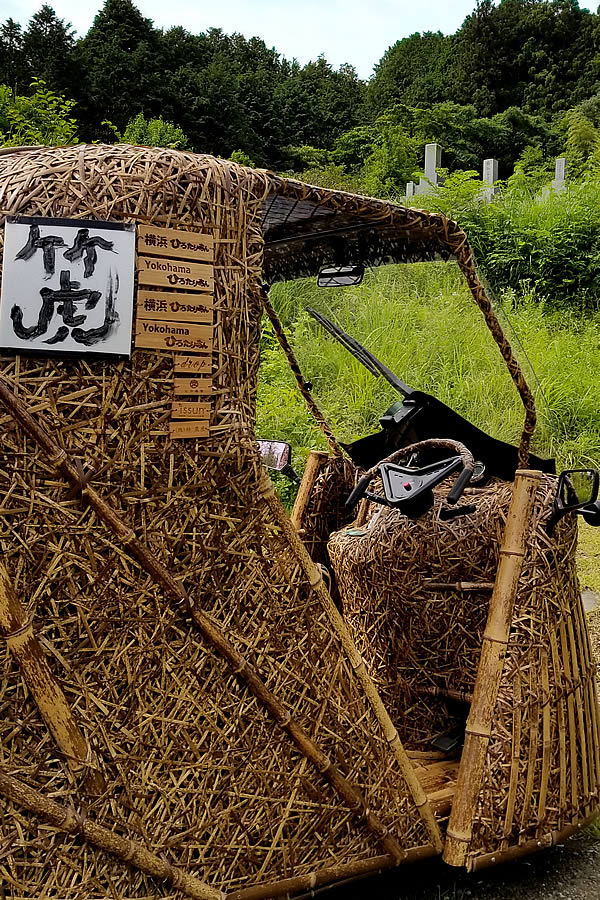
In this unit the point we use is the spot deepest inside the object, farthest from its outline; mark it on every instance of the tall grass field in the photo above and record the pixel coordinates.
(421, 321)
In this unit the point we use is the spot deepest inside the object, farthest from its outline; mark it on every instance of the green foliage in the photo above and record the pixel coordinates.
(154, 133)
(413, 71)
(548, 241)
(11, 55)
(496, 88)
(421, 321)
(43, 118)
(242, 159)
(583, 141)
(120, 65)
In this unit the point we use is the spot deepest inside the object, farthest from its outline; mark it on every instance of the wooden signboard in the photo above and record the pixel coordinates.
(175, 273)
(175, 312)
(173, 336)
(175, 244)
(182, 410)
(197, 429)
(199, 365)
(187, 387)
(195, 308)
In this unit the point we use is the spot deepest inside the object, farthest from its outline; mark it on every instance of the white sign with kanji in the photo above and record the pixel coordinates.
(67, 286)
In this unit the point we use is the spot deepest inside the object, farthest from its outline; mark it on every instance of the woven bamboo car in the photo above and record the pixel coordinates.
(186, 711)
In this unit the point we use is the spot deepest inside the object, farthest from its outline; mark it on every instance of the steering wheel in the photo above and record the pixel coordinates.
(409, 488)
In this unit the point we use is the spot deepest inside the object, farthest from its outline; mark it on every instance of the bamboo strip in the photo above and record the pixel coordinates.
(303, 385)
(458, 585)
(591, 712)
(447, 693)
(350, 795)
(68, 820)
(514, 761)
(573, 768)
(17, 630)
(491, 664)
(314, 464)
(546, 736)
(534, 716)
(562, 740)
(579, 700)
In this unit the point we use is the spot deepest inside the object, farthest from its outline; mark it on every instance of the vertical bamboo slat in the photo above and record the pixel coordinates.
(573, 765)
(562, 728)
(17, 630)
(491, 663)
(546, 735)
(315, 462)
(515, 760)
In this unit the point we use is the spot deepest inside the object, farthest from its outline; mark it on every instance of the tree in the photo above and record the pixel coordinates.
(413, 71)
(316, 104)
(533, 54)
(47, 50)
(122, 67)
(11, 55)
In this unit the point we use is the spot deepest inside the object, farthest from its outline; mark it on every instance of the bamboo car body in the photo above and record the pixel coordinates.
(185, 710)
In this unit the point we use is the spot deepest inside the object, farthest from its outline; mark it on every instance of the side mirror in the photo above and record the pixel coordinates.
(340, 276)
(577, 488)
(275, 454)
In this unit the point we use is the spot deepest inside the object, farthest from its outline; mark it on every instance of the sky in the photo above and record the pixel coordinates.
(354, 31)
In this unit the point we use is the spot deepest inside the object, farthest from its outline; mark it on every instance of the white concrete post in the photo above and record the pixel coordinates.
(560, 172)
(490, 177)
(433, 159)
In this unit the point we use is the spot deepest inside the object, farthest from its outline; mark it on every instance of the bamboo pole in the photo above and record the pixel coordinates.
(315, 462)
(458, 585)
(303, 386)
(175, 590)
(347, 872)
(491, 664)
(68, 820)
(17, 630)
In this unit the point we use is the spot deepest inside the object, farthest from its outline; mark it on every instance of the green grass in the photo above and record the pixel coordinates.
(420, 320)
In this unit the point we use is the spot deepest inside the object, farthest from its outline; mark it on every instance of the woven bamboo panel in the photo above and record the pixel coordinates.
(542, 771)
(196, 770)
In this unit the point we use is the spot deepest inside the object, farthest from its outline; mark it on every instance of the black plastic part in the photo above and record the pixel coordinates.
(456, 511)
(561, 509)
(449, 743)
(403, 485)
(591, 514)
(459, 485)
(428, 417)
(359, 491)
